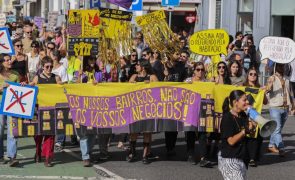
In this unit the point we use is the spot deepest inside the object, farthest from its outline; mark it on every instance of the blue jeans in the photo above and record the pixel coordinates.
(11, 141)
(86, 145)
(61, 139)
(280, 116)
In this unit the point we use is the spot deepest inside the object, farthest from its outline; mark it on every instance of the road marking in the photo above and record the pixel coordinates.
(47, 177)
(101, 171)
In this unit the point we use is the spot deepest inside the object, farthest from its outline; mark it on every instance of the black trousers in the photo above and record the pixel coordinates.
(254, 147)
(170, 139)
(190, 141)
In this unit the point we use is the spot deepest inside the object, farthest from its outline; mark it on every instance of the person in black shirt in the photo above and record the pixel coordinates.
(133, 61)
(234, 127)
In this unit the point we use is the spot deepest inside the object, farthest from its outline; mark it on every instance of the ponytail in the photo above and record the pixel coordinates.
(225, 106)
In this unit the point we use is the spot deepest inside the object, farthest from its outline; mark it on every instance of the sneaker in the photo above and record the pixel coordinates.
(86, 163)
(13, 162)
(252, 163)
(151, 156)
(205, 163)
(145, 160)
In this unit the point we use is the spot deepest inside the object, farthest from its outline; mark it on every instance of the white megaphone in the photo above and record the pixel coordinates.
(267, 127)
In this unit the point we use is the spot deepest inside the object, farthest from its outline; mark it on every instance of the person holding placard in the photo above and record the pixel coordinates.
(6, 74)
(144, 74)
(280, 102)
(47, 149)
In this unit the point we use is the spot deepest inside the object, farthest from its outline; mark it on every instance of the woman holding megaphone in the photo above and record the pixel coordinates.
(234, 127)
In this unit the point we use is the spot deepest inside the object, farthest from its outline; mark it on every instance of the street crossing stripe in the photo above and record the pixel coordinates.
(46, 177)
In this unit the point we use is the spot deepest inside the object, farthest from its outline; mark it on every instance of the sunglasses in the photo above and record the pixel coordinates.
(30, 32)
(221, 67)
(252, 74)
(198, 70)
(19, 45)
(7, 60)
(50, 48)
(133, 55)
(47, 67)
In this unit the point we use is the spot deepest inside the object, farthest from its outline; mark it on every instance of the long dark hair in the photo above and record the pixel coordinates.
(240, 71)
(256, 84)
(1, 62)
(234, 95)
(226, 78)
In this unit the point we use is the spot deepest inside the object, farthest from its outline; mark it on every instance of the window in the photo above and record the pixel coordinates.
(245, 16)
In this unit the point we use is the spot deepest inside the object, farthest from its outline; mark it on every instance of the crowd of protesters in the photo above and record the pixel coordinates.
(41, 58)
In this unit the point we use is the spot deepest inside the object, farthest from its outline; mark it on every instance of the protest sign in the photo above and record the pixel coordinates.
(6, 46)
(122, 3)
(82, 46)
(2, 19)
(209, 42)
(150, 17)
(11, 18)
(55, 116)
(153, 103)
(83, 23)
(19, 101)
(277, 49)
(39, 22)
(52, 20)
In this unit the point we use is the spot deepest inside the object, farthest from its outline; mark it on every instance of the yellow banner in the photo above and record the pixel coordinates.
(49, 95)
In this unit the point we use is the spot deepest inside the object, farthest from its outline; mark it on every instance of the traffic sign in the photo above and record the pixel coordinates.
(19, 101)
(136, 5)
(6, 46)
(170, 2)
(94, 4)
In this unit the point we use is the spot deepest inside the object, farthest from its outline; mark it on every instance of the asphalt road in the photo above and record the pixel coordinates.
(67, 165)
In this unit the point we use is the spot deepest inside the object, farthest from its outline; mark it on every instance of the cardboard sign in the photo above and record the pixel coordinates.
(151, 17)
(10, 18)
(52, 20)
(278, 49)
(19, 101)
(83, 46)
(6, 46)
(209, 42)
(2, 19)
(39, 22)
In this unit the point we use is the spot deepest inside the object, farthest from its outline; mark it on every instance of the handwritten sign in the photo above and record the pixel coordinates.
(6, 46)
(149, 18)
(83, 46)
(52, 20)
(209, 42)
(19, 101)
(277, 49)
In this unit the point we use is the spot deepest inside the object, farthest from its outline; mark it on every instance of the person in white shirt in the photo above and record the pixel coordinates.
(58, 68)
(33, 60)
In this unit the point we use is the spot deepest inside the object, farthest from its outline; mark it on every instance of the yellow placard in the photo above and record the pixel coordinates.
(151, 17)
(209, 42)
